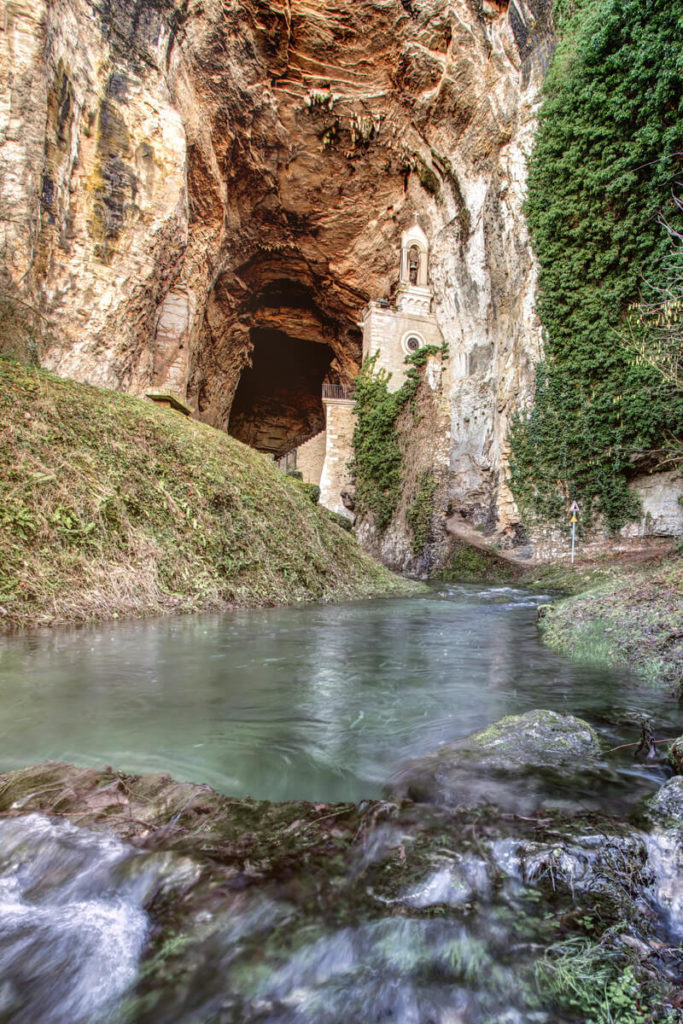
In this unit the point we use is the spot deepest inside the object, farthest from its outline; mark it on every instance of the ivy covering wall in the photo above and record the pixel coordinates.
(377, 456)
(607, 160)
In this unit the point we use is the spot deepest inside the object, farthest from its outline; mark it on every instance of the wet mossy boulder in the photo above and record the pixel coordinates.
(535, 739)
(675, 755)
(665, 808)
(515, 762)
(383, 911)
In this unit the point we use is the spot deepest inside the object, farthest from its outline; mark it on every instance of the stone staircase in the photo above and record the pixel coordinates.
(306, 458)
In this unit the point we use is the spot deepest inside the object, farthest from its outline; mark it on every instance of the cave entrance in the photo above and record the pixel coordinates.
(278, 401)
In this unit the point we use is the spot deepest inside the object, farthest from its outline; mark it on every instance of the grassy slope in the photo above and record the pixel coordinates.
(111, 506)
(630, 616)
(587, 574)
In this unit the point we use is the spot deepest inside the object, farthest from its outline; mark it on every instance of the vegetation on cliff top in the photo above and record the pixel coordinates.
(111, 506)
(607, 159)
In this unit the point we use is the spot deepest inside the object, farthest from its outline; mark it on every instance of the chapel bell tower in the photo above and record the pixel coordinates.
(396, 330)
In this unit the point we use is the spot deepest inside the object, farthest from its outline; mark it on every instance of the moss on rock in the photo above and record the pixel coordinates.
(260, 899)
(468, 564)
(675, 755)
(519, 759)
(665, 808)
(576, 894)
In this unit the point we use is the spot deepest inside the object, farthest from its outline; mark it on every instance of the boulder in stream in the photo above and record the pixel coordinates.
(675, 755)
(665, 808)
(519, 760)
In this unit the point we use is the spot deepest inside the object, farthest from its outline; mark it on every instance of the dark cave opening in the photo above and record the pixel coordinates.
(278, 402)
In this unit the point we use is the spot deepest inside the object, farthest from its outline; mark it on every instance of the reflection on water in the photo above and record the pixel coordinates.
(317, 702)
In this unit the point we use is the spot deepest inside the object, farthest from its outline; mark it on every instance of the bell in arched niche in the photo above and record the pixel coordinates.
(413, 264)
(394, 329)
(414, 257)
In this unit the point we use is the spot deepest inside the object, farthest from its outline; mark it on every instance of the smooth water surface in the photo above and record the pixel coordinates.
(315, 702)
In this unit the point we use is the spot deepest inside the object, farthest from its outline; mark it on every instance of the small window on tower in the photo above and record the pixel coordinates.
(413, 343)
(413, 264)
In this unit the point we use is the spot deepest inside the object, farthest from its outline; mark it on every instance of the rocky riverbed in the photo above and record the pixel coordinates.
(242, 910)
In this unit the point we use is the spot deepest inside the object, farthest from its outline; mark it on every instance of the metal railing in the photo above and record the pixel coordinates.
(338, 391)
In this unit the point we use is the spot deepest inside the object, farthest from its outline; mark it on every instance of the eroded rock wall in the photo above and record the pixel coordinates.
(182, 179)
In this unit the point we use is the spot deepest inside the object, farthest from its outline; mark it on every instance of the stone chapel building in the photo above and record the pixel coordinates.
(392, 330)
(395, 330)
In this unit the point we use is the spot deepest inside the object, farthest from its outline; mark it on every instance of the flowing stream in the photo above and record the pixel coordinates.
(308, 703)
(313, 703)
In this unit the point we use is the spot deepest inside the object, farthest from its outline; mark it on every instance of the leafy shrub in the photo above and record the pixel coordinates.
(340, 520)
(313, 492)
(420, 512)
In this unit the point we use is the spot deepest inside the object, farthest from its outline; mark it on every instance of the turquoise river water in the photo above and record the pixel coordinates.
(313, 702)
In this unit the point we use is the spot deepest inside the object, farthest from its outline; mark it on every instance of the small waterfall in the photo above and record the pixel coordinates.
(72, 921)
(457, 944)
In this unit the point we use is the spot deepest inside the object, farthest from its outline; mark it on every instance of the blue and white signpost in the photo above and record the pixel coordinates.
(574, 510)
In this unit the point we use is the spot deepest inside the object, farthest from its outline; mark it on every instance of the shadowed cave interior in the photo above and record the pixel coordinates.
(278, 400)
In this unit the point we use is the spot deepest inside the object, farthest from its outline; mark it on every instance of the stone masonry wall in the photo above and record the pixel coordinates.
(383, 331)
(335, 476)
(310, 457)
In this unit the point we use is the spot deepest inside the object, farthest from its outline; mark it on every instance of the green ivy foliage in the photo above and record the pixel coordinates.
(420, 512)
(377, 456)
(608, 156)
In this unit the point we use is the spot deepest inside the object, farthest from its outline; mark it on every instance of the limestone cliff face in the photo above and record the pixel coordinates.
(203, 194)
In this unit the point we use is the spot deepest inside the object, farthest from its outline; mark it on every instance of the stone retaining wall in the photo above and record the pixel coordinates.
(310, 457)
